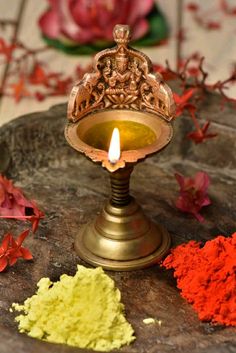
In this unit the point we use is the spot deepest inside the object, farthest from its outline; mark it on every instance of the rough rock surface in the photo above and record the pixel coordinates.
(71, 190)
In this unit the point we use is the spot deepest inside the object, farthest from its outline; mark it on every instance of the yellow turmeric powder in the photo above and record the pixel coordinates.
(82, 311)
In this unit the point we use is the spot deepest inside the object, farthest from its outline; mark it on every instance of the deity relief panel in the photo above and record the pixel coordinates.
(121, 80)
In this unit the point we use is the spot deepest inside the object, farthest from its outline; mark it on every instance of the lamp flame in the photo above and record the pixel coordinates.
(114, 149)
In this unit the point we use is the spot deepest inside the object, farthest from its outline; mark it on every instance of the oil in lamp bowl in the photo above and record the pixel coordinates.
(142, 134)
(121, 93)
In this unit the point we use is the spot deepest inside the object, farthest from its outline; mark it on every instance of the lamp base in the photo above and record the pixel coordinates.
(122, 239)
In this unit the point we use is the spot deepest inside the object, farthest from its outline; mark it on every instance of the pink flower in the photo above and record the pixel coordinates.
(87, 21)
(193, 194)
(12, 200)
(13, 204)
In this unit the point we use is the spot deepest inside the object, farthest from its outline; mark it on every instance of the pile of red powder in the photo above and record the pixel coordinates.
(206, 277)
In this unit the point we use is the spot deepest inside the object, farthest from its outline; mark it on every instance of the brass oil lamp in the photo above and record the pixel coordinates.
(120, 97)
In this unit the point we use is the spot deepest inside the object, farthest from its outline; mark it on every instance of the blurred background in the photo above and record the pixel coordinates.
(46, 45)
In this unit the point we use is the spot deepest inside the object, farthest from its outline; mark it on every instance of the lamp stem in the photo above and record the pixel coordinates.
(120, 187)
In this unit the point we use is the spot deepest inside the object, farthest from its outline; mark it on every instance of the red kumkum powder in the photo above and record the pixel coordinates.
(206, 277)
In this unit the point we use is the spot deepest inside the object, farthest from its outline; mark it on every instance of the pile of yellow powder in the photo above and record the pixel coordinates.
(82, 311)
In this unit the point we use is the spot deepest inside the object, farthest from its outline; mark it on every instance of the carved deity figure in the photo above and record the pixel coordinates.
(121, 79)
(135, 76)
(107, 70)
(120, 74)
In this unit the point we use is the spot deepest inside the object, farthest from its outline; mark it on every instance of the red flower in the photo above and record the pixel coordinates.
(11, 250)
(13, 204)
(201, 134)
(89, 21)
(193, 194)
(182, 102)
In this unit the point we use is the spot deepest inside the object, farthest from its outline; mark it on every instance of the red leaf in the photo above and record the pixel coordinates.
(199, 135)
(182, 102)
(35, 218)
(39, 96)
(3, 264)
(193, 71)
(35, 222)
(166, 74)
(193, 194)
(19, 90)
(226, 9)
(38, 75)
(213, 25)
(6, 49)
(61, 87)
(192, 6)
(181, 35)
(200, 19)
(185, 97)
